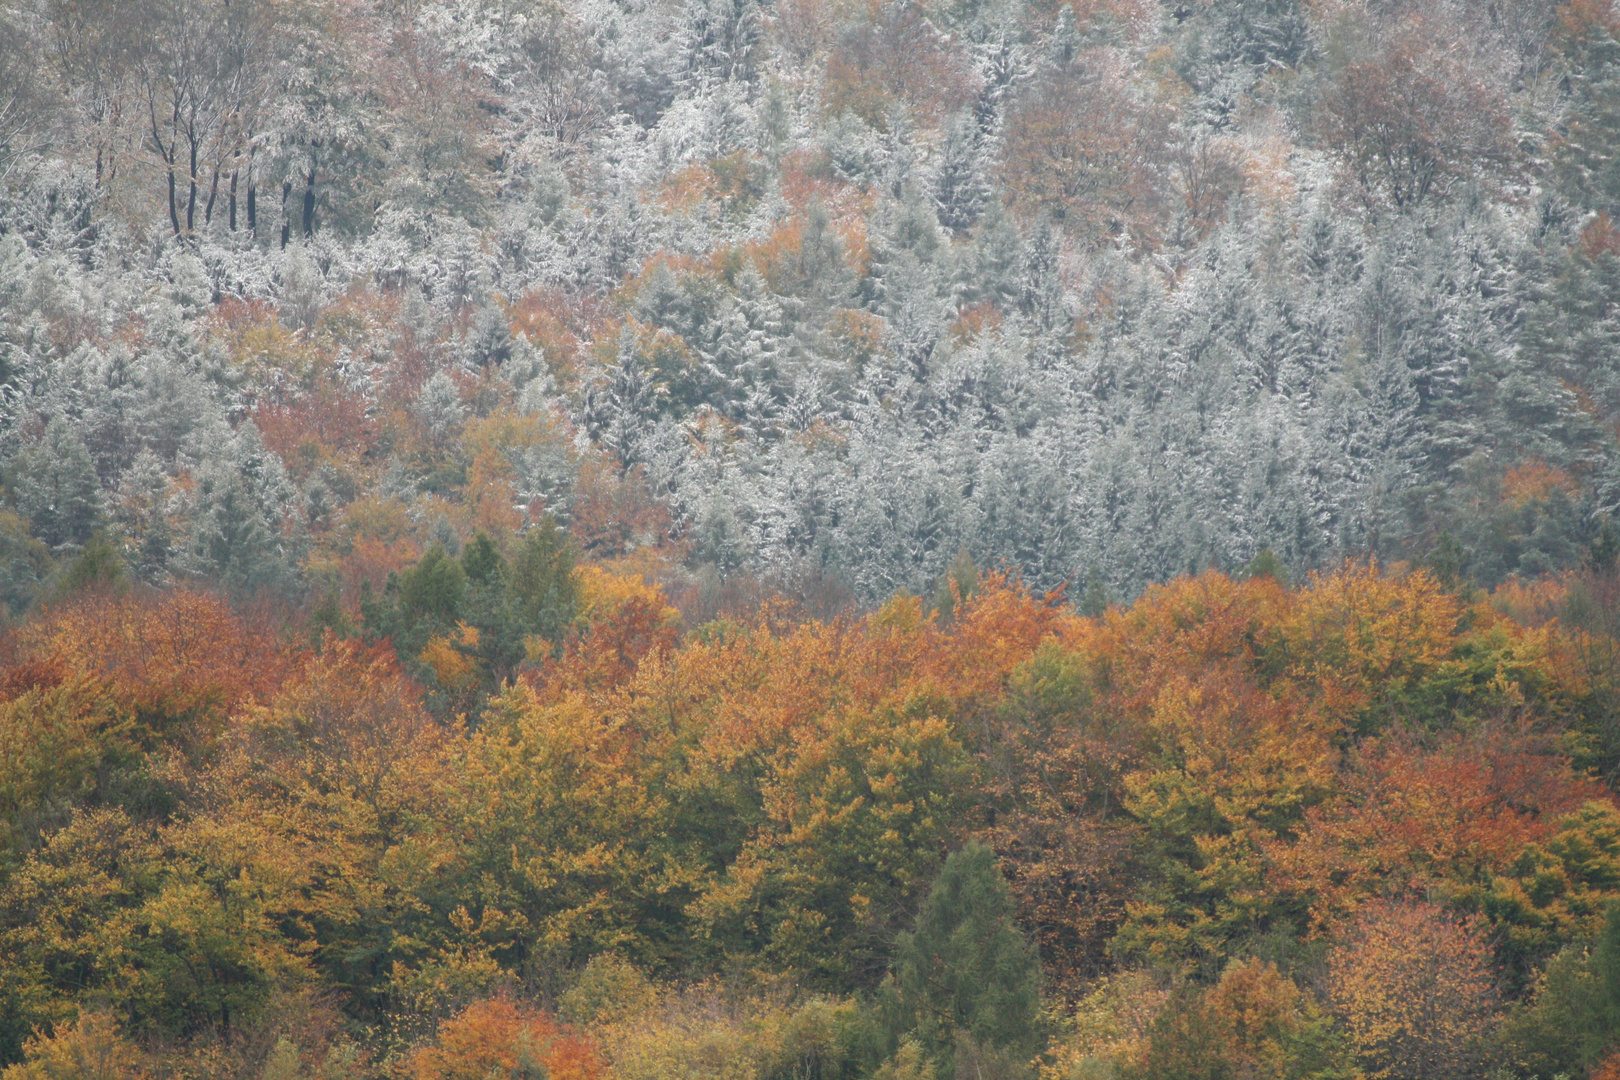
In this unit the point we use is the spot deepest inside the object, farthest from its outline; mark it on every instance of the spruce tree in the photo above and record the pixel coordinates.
(56, 487)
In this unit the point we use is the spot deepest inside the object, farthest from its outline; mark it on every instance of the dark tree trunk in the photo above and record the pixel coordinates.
(174, 211)
(309, 203)
(286, 222)
(191, 192)
(213, 193)
(233, 200)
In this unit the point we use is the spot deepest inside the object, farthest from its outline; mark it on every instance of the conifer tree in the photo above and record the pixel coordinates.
(56, 487)
(966, 976)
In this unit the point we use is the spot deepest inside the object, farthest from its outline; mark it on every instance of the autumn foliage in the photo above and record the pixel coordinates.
(214, 823)
(499, 1037)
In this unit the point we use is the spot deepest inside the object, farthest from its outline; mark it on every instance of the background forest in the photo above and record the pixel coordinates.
(815, 539)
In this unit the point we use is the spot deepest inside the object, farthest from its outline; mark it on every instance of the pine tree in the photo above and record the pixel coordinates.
(24, 563)
(1586, 160)
(431, 591)
(621, 407)
(438, 406)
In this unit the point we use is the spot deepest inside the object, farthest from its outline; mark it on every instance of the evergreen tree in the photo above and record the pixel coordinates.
(430, 592)
(97, 568)
(24, 563)
(1573, 1021)
(960, 190)
(56, 488)
(620, 409)
(140, 517)
(1586, 160)
(967, 970)
(540, 581)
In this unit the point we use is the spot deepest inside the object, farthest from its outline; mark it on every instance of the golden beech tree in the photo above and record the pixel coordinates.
(1361, 641)
(1216, 713)
(343, 786)
(1416, 991)
(1255, 1022)
(91, 1048)
(174, 928)
(568, 826)
(1493, 820)
(1219, 757)
(856, 817)
(61, 745)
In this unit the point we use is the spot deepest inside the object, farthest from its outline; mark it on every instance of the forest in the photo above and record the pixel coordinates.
(809, 539)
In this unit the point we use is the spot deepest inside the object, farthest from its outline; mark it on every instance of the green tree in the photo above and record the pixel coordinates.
(431, 591)
(481, 560)
(56, 487)
(541, 586)
(967, 979)
(1574, 1018)
(97, 568)
(24, 562)
(1586, 156)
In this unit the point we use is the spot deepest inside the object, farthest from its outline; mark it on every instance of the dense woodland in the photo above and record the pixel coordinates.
(809, 540)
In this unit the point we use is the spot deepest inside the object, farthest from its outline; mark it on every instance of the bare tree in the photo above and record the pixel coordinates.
(28, 104)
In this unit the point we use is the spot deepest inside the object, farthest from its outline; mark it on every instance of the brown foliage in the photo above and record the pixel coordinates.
(1083, 146)
(329, 425)
(896, 57)
(615, 512)
(1411, 119)
(180, 657)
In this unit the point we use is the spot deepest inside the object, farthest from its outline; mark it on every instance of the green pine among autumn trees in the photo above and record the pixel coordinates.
(520, 820)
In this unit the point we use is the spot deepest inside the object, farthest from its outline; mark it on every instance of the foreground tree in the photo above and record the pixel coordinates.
(1415, 988)
(967, 979)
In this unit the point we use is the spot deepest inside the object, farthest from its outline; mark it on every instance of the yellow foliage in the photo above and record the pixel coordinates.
(1359, 636)
(378, 517)
(536, 649)
(908, 1063)
(90, 1049)
(703, 1034)
(1533, 481)
(448, 656)
(1110, 1024)
(603, 594)
(610, 991)
(259, 347)
(1530, 603)
(1416, 991)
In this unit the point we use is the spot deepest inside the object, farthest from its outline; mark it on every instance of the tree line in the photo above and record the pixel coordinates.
(1358, 824)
